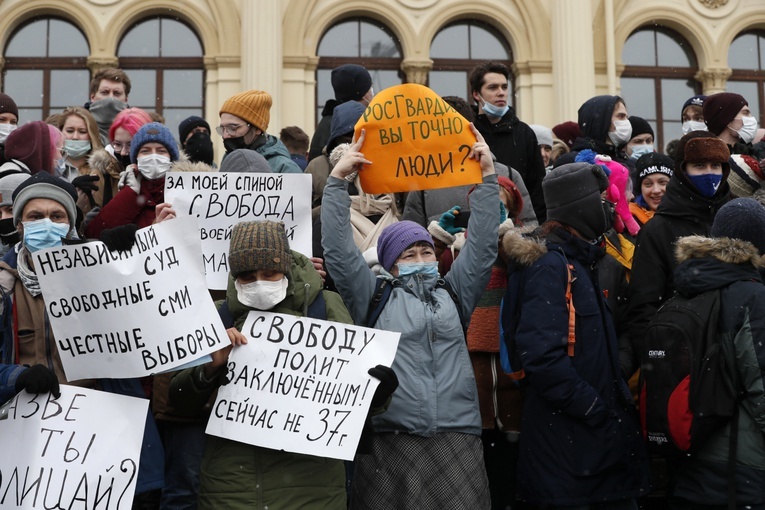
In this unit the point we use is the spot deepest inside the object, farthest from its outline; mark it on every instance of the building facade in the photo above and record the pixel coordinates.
(187, 56)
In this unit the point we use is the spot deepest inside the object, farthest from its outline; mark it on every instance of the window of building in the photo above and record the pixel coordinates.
(658, 78)
(357, 41)
(45, 68)
(163, 58)
(457, 49)
(746, 57)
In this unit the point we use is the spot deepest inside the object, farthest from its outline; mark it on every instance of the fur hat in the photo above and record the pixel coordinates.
(189, 123)
(396, 238)
(572, 194)
(44, 185)
(744, 178)
(544, 134)
(705, 149)
(9, 181)
(245, 160)
(153, 132)
(350, 82)
(693, 101)
(259, 245)
(720, 109)
(8, 105)
(253, 106)
(741, 218)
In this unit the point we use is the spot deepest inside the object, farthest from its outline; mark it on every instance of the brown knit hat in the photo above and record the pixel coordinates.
(259, 245)
(254, 106)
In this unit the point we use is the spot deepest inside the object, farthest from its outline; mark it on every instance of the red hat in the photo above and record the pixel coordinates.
(31, 144)
(567, 132)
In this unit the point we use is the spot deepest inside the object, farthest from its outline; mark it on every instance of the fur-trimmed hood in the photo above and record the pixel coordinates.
(729, 251)
(521, 248)
(104, 163)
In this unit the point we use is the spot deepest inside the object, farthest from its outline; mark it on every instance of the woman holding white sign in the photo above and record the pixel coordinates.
(426, 448)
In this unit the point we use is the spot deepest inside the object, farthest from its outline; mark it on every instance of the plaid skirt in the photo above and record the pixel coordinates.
(445, 471)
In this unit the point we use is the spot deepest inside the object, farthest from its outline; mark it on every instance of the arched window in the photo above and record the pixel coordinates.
(658, 78)
(163, 58)
(357, 41)
(457, 49)
(746, 57)
(45, 68)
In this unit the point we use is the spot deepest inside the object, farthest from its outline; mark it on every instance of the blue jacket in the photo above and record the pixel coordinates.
(8, 376)
(580, 441)
(437, 390)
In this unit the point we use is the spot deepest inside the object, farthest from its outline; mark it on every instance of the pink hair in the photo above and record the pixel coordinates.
(129, 119)
(55, 137)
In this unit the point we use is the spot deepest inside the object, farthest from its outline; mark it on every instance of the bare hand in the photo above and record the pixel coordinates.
(353, 159)
(164, 212)
(481, 153)
(236, 337)
(318, 264)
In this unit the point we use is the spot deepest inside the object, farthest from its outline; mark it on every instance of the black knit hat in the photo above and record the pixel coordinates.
(640, 126)
(350, 82)
(741, 218)
(8, 105)
(259, 245)
(652, 163)
(572, 193)
(720, 109)
(189, 123)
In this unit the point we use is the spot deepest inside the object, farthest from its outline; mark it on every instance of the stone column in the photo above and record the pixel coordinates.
(416, 70)
(573, 63)
(713, 79)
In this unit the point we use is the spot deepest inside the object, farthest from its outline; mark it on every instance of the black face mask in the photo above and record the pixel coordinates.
(8, 233)
(123, 160)
(199, 148)
(232, 144)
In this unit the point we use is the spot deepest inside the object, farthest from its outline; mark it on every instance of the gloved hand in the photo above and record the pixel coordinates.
(130, 179)
(120, 238)
(85, 184)
(388, 384)
(38, 379)
(446, 221)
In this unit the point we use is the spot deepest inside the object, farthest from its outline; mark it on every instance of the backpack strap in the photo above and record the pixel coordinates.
(452, 294)
(570, 278)
(383, 289)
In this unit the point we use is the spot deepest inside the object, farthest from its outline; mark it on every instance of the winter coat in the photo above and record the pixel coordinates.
(731, 264)
(514, 144)
(319, 169)
(579, 441)
(682, 212)
(321, 134)
(428, 205)
(106, 167)
(276, 154)
(9, 374)
(437, 390)
(235, 475)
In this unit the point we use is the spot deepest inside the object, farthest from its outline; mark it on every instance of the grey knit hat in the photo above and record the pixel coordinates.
(572, 194)
(245, 160)
(45, 185)
(8, 184)
(259, 245)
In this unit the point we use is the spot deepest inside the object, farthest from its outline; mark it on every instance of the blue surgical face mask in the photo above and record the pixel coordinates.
(494, 111)
(707, 184)
(423, 268)
(76, 148)
(640, 150)
(44, 233)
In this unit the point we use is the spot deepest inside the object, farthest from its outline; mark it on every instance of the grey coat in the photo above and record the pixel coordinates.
(437, 390)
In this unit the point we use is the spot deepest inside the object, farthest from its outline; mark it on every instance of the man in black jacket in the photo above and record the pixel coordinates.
(511, 141)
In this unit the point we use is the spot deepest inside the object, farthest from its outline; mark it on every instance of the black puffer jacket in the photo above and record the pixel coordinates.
(514, 144)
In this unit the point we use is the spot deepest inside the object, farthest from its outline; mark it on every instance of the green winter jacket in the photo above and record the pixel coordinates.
(240, 476)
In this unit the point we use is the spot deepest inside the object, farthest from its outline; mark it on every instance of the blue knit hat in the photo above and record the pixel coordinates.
(396, 238)
(153, 132)
(693, 101)
(741, 218)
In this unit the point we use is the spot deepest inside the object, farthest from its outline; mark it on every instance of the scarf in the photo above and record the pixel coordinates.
(365, 233)
(26, 274)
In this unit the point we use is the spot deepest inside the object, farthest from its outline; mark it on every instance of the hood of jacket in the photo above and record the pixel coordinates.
(104, 163)
(706, 263)
(304, 284)
(273, 147)
(595, 117)
(682, 200)
(523, 250)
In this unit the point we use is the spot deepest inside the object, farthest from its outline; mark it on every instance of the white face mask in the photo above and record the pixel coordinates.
(5, 130)
(749, 130)
(153, 166)
(622, 134)
(693, 125)
(261, 294)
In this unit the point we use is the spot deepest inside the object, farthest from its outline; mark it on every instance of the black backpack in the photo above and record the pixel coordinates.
(685, 392)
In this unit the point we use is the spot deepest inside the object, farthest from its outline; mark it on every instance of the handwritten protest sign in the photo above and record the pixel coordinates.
(134, 313)
(81, 450)
(221, 200)
(415, 140)
(301, 384)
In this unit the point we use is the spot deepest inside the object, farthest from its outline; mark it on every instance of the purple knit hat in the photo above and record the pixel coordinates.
(396, 238)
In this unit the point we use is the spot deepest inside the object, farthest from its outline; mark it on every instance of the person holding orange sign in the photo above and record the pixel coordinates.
(426, 449)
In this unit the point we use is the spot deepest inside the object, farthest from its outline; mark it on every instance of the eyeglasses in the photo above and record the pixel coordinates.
(230, 129)
(119, 146)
